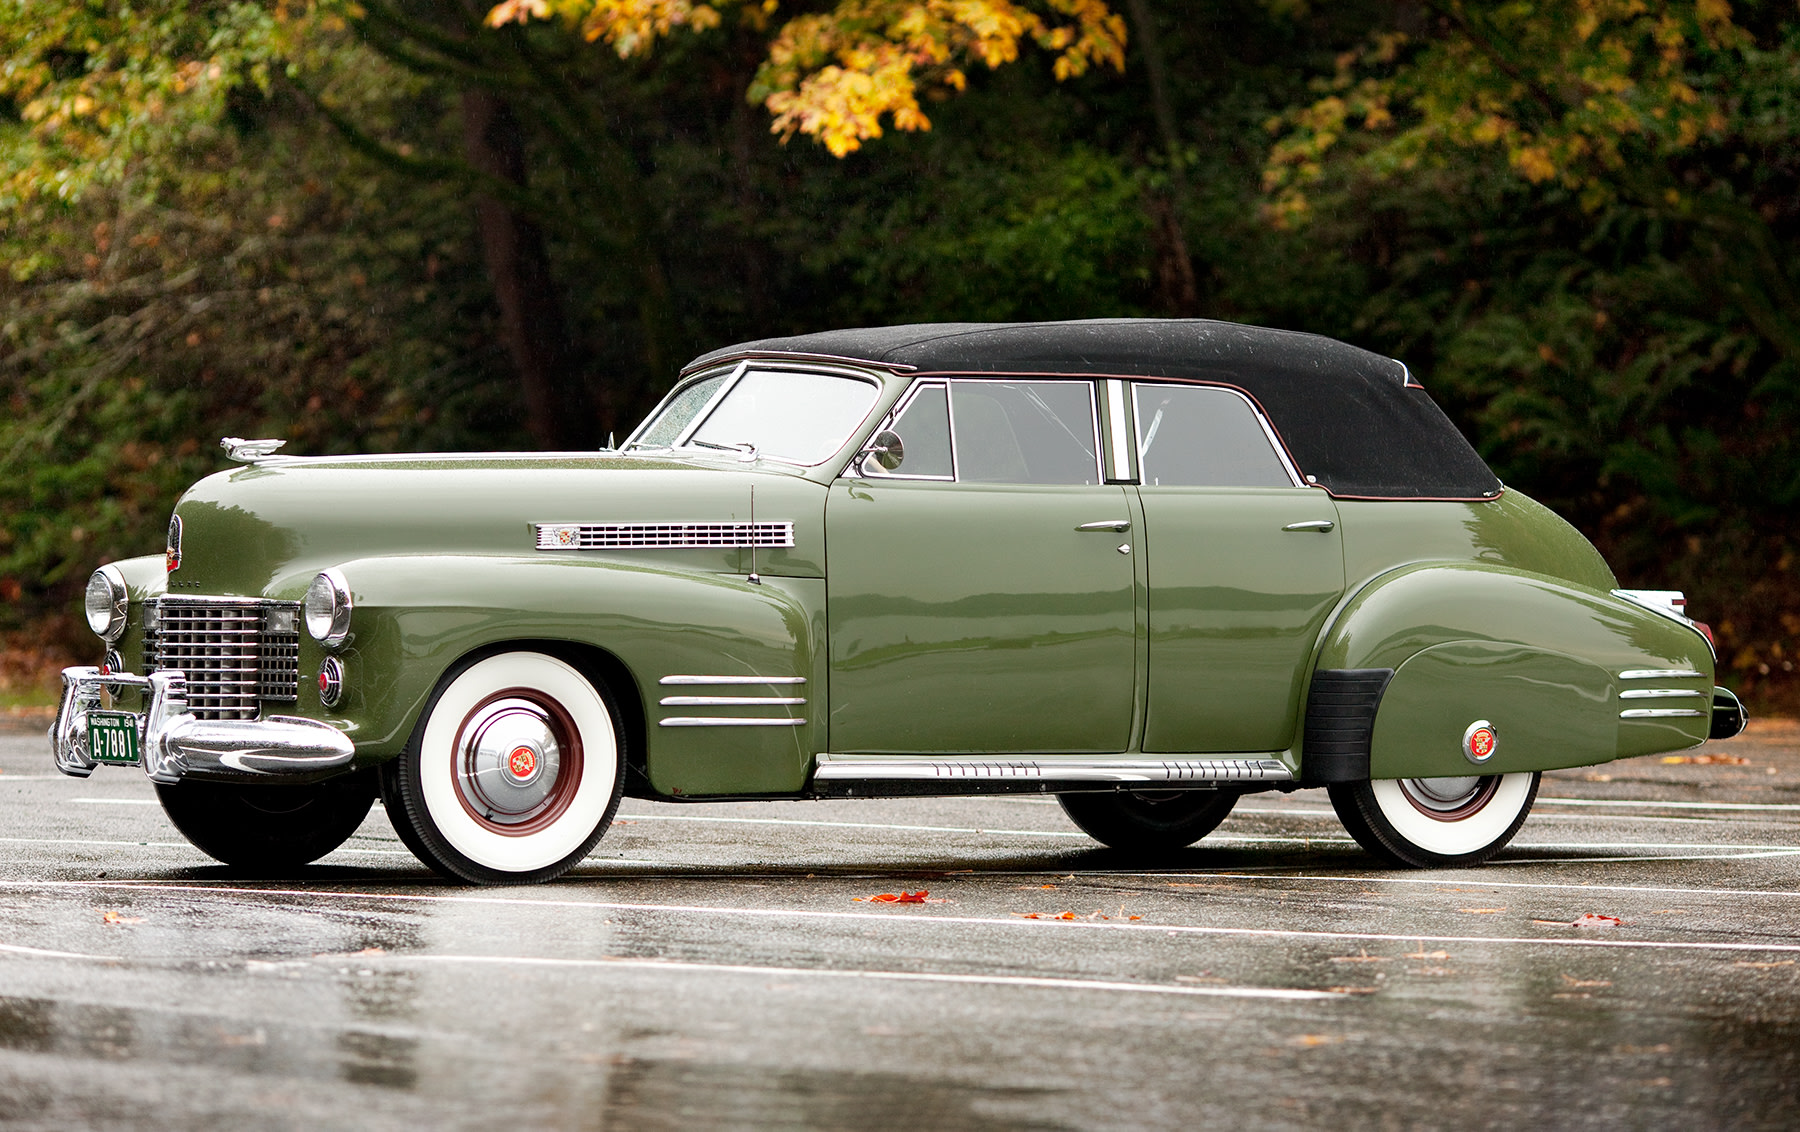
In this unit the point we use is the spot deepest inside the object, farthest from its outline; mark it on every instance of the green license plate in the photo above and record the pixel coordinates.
(113, 737)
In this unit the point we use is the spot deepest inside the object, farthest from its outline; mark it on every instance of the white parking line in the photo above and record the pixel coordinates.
(907, 917)
(878, 976)
(1469, 885)
(687, 967)
(1671, 805)
(115, 801)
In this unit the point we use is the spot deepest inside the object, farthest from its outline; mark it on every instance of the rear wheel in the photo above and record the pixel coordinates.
(1149, 821)
(268, 827)
(1425, 823)
(513, 773)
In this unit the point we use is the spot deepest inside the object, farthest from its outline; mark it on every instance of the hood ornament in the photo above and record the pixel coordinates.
(249, 451)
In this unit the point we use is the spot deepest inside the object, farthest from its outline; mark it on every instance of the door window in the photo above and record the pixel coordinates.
(1204, 436)
(1039, 432)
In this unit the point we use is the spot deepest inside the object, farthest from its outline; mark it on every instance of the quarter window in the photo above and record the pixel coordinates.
(923, 427)
(1024, 432)
(1202, 436)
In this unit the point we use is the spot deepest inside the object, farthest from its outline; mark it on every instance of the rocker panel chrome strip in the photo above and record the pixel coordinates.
(1053, 770)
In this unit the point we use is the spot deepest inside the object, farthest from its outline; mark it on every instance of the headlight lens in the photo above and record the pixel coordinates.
(328, 608)
(107, 600)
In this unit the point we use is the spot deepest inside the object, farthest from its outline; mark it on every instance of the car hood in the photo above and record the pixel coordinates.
(268, 528)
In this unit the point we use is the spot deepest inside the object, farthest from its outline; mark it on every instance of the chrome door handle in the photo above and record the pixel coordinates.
(1107, 525)
(1320, 525)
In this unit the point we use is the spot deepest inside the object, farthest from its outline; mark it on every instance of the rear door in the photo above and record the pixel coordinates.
(1244, 565)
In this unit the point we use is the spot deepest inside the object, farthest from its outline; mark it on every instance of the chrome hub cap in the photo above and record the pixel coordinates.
(507, 761)
(1449, 799)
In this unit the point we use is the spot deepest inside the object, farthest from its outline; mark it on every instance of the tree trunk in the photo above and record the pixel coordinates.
(558, 410)
(1174, 264)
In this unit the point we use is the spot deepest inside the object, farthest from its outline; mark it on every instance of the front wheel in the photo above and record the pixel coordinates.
(265, 827)
(1426, 823)
(512, 774)
(1148, 821)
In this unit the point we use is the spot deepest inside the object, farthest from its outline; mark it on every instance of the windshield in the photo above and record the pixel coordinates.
(802, 418)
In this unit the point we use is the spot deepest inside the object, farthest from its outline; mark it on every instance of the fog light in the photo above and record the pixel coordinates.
(328, 609)
(106, 603)
(331, 682)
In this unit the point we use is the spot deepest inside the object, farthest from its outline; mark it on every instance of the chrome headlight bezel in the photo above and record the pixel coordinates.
(327, 609)
(107, 603)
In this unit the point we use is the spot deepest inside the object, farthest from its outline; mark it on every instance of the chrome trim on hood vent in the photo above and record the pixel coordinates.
(652, 536)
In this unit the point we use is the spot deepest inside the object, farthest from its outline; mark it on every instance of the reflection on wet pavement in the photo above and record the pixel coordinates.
(1634, 961)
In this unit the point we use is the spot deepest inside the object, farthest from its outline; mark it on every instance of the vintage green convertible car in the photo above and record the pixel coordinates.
(1145, 566)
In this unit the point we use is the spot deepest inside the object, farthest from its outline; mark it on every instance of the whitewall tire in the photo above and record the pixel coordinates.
(513, 773)
(1436, 822)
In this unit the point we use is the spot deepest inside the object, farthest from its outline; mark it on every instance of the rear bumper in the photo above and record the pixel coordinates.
(1728, 715)
(174, 744)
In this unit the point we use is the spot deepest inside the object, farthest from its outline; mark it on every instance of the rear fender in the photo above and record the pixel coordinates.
(1538, 659)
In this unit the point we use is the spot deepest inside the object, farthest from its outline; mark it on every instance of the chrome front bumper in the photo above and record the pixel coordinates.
(174, 744)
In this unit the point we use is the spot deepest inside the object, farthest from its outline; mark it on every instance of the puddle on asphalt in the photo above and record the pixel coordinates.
(675, 1094)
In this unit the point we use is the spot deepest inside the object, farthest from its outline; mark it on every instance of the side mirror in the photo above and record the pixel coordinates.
(887, 449)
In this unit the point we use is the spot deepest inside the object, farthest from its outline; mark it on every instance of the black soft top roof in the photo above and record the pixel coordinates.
(1355, 422)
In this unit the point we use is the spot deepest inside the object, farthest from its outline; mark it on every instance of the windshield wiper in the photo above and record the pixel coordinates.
(746, 451)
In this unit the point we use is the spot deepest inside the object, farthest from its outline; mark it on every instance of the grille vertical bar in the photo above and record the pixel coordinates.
(232, 657)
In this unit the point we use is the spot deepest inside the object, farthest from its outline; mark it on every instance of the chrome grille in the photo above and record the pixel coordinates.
(626, 536)
(232, 654)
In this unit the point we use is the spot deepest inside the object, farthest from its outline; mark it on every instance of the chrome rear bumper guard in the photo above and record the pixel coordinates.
(173, 744)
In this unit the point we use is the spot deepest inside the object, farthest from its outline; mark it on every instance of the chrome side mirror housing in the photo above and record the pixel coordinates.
(885, 448)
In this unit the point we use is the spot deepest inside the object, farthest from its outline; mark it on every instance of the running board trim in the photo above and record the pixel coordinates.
(954, 769)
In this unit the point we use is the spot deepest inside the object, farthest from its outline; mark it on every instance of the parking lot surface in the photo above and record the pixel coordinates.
(1632, 960)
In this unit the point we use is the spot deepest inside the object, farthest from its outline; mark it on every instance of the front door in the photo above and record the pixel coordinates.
(969, 610)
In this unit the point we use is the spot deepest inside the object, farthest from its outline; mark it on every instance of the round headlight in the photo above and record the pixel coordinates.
(106, 602)
(328, 608)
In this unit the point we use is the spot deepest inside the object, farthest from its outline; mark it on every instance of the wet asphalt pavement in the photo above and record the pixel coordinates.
(713, 966)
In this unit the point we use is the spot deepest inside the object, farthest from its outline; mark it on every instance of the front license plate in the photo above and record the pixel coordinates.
(113, 737)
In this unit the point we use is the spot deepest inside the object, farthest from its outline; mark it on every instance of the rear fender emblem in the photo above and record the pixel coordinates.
(1480, 742)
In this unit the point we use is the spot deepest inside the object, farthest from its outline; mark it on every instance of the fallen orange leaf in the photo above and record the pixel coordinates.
(1066, 916)
(1028, 915)
(1591, 920)
(1707, 760)
(1482, 911)
(116, 918)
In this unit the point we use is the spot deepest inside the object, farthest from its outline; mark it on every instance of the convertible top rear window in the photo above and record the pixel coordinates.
(1354, 422)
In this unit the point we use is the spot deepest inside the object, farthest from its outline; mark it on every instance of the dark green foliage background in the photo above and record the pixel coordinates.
(260, 275)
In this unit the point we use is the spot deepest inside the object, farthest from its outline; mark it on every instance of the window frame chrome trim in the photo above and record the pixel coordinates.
(737, 373)
(854, 469)
(1122, 437)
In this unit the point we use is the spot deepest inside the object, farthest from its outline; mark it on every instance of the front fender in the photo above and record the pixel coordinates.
(1537, 657)
(416, 616)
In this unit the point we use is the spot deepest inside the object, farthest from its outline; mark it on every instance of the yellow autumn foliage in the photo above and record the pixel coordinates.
(836, 76)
